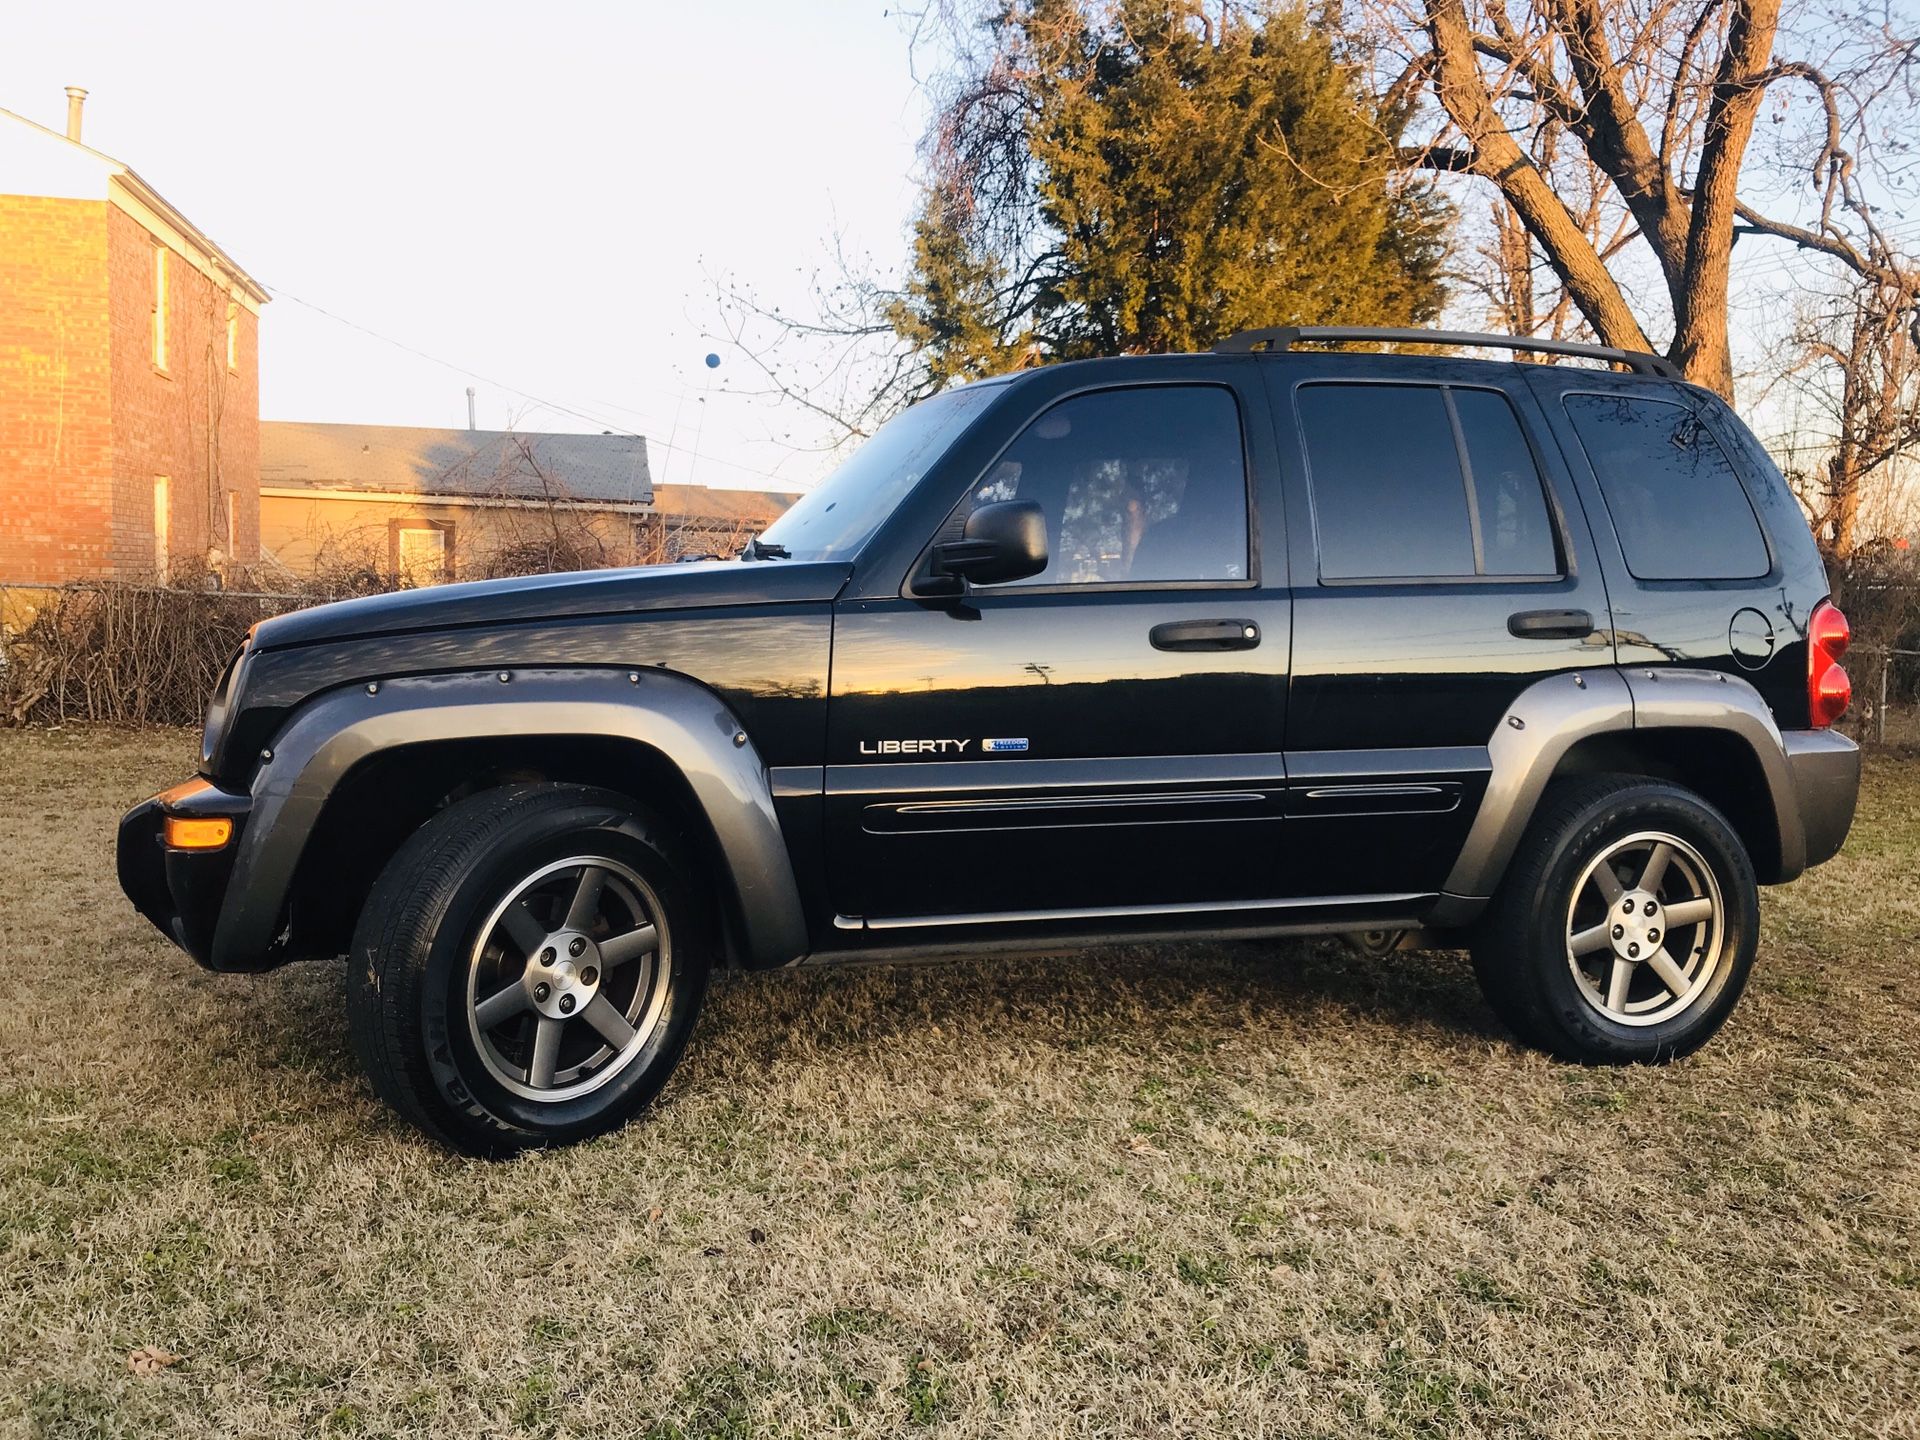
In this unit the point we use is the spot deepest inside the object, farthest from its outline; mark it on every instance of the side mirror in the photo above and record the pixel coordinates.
(1003, 541)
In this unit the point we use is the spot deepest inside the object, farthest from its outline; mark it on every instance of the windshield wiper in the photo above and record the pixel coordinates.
(758, 549)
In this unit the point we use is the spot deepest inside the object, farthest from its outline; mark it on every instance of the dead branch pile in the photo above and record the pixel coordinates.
(123, 654)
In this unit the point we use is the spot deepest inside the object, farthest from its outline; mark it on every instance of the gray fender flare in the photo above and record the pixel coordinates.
(683, 720)
(1553, 715)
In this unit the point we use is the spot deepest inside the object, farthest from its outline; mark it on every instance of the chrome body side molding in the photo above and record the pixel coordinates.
(1249, 908)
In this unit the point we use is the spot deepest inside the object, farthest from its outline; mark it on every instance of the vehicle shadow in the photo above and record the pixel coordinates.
(1131, 998)
(1187, 991)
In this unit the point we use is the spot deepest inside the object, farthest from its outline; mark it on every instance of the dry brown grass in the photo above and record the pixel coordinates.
(1225, 1189)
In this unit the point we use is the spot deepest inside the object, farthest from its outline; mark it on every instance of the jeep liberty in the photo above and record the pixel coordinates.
(1532, 659)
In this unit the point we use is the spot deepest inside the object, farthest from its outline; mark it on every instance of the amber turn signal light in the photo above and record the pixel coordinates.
(198, 832)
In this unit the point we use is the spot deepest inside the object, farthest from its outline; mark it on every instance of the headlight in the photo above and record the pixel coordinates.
(220, 709)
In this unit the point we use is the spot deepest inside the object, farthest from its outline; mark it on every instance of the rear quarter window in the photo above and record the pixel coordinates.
(1675, 499)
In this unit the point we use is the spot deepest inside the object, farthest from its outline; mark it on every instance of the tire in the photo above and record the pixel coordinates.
(1546, 954)
(502, 994)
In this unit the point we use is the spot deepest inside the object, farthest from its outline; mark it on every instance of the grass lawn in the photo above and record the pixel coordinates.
(1240, 1189)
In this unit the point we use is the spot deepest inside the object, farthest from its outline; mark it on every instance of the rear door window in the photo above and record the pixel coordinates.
(1415, 482)
(1676, 501)
(1516, 533)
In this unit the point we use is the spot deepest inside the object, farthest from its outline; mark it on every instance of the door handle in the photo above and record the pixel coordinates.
(1205, 635)
(1550, 624)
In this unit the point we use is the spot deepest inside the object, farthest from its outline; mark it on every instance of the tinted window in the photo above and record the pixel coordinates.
(1393, 497)
(1138, 485)
(1388, 497)
(1677, 505)
(1516, 534)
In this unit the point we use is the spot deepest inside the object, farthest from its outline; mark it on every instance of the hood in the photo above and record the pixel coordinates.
(698, 586)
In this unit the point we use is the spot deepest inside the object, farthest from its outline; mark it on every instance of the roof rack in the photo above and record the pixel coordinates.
(1286, 337)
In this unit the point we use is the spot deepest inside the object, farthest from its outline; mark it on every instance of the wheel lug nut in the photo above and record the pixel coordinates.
(1651, 907)
(1627, 909)
(590, 976)
(1633, 952)
(546, 955)
(566, 1004)
(1618, 931)
(1652, 935)
(576, 946)
(542, 991)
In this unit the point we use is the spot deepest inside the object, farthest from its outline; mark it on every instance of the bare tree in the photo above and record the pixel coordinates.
(544, 528)
(1856, 416)
(1661, 98)
(1521, 292)
(842, 364)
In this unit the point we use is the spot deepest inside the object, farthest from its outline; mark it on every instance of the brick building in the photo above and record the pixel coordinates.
(129, 373)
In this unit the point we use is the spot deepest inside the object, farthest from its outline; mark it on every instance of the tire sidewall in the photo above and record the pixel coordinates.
(453, 1062)
(1609, 819)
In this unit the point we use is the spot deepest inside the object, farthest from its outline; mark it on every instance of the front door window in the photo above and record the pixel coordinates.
(1139, 486)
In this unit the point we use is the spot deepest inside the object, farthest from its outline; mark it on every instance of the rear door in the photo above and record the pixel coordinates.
(1442, 564)
(1105, 737)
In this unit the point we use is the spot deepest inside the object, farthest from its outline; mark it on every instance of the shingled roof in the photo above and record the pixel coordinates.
(456, 464)
(699, 502)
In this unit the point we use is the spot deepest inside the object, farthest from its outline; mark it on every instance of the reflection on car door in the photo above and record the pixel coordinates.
(1103, 737)
(1442, 565)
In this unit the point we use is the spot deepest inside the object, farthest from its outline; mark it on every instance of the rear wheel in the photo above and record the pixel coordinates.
(527, 968)
(1626, 926)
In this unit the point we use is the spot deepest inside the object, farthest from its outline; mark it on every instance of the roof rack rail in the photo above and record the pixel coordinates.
(1286, 337)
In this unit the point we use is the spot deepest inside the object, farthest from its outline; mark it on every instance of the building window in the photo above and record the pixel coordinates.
(162, 524)
(422, 552)
(233, 337)
(160, 307)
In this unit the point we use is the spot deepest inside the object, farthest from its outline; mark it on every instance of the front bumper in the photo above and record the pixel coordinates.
(180, 891)
(1825, 767)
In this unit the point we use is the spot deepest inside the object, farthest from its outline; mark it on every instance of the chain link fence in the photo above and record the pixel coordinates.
(1886, 695)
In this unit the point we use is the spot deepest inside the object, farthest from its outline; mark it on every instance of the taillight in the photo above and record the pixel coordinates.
(1829, 691)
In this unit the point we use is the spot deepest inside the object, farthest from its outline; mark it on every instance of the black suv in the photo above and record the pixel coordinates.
(1535, 659)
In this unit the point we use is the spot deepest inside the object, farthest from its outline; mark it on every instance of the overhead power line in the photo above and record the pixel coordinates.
(555, 405)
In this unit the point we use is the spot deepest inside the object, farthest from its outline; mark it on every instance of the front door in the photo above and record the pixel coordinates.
(1104, 737)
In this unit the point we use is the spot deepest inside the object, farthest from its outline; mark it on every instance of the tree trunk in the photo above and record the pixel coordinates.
(1495, 155)
(1843, 489)
(1700, 345)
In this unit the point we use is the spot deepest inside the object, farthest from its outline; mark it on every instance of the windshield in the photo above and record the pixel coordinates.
(835, 518)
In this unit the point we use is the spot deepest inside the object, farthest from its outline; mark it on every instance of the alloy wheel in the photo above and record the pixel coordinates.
(1646, 929)
(568, 979)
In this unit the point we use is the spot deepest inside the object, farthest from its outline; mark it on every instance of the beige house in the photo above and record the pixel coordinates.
(416, 506)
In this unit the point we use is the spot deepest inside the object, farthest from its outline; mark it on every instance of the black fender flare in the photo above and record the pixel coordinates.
(681, 719)
(1554, 714)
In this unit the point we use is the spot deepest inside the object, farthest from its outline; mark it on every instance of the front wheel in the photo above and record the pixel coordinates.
(527, 968)
(1626, 926)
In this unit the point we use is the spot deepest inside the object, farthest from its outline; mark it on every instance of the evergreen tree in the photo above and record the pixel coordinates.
(1113, 176)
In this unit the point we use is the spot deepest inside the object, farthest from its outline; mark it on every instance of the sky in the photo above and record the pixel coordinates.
(542, 201)
(543, 196)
